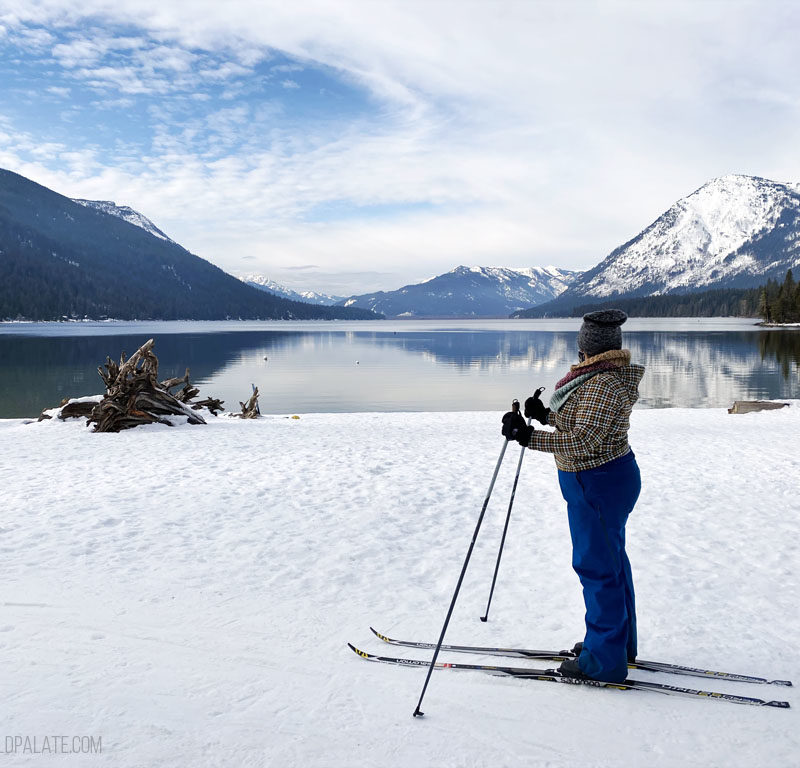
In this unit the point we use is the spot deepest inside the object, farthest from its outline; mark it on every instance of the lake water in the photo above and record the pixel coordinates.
(409, 365)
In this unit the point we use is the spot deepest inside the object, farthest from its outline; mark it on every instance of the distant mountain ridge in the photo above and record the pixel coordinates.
(62, 259)
(263, 283)
(469, 292)
(76, 258)
(735, 231)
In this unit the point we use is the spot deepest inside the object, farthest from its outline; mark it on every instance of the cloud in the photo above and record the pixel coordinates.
(122, 79)
(139, 64)
(290, 84)
(224, 71)
(530, 132)
(34, 40)
(80, 53)
(123, 102)
(287, 68)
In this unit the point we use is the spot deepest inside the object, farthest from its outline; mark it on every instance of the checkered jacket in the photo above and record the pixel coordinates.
(592, 426)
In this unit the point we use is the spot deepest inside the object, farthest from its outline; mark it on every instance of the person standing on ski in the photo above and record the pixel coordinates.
(599, 478)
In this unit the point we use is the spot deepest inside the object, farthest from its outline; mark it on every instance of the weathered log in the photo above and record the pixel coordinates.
(213, 404)
(187, 393)
(749, 406)
(70, 409)
(170, 383)
(77, 409)
(165, 404)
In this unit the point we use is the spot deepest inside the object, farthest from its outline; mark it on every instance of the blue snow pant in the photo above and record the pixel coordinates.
(598, 504)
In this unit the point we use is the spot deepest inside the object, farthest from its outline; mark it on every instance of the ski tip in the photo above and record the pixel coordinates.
(778, 704)
(787, 683)
(380, 636)
(363, 654)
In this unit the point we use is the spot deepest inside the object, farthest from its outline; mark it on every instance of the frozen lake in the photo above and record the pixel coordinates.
(410, 365)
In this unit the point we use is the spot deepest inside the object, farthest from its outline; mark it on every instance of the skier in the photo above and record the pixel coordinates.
(600, 482)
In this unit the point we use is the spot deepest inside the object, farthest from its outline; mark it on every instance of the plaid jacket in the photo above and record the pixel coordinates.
(592, 426)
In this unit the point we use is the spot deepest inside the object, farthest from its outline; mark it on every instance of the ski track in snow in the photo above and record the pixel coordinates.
(187, 594)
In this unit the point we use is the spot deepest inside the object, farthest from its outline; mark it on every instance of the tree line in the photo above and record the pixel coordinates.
(780, 303)
(773, 302)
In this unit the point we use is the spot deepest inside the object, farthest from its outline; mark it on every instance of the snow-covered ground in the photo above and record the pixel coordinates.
(187, 594)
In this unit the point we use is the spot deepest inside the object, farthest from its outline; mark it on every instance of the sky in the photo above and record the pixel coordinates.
(347, 146)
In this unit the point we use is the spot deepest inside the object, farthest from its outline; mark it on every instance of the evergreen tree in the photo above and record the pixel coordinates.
(789, 289)
(764, 310)
(784, 303)
(797, 303)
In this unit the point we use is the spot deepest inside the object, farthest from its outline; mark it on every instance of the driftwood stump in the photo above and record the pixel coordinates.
(250, 409)
(134, 395)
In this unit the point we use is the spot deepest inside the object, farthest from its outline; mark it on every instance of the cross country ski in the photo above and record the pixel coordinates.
(555, 676)
(526, 653)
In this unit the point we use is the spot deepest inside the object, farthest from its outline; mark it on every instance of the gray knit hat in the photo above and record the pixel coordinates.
(601, 331)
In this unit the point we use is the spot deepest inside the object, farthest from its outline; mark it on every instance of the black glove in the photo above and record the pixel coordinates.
(534, 408)
(515, 428)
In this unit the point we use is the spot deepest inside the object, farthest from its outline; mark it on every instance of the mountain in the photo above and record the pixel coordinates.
(60, 258)
(734, 232)
(312, 297)
(126, 213)
(469, 292)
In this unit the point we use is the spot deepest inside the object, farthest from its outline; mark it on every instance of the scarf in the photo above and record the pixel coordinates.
(582, 372)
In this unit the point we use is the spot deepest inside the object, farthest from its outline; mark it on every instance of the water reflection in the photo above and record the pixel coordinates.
(412, 368)
(784, 348)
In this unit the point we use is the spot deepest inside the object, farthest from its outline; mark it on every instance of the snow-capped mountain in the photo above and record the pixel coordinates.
(126, 213)
(65, 259)
(310, 297)
(470, 292)
(735, 231)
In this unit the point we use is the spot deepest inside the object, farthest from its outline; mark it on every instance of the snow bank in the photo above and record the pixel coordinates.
(187, 593)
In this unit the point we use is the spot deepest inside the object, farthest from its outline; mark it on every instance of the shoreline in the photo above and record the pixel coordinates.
(764, 324)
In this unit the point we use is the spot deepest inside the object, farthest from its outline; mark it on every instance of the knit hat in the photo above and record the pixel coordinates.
(601, 331)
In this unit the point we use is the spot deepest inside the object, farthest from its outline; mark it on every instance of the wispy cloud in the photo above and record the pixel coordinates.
(287, 68)
(34, 40)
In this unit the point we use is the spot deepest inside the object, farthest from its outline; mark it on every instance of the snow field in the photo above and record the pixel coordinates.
(187, 594)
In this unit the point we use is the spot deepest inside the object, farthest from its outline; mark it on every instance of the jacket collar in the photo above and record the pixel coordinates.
(616, 356)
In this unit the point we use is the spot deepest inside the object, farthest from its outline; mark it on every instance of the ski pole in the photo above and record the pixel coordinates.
(485, 617)
(417, 711)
